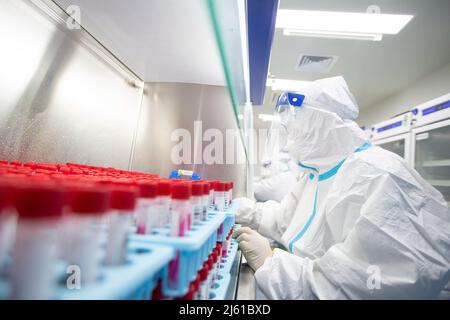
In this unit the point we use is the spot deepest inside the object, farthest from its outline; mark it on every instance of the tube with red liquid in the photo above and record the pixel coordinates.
(162, 203)
(197, 202)
(205, 200)
(219, 196)
(146, 207)
(180, 208)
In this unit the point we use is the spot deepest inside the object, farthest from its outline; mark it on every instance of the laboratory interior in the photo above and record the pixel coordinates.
(224, 149)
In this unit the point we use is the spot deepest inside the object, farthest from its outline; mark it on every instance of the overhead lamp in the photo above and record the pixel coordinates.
(332, 34)
(342, 25)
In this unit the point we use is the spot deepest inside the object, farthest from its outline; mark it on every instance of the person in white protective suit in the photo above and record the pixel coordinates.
(360, 224)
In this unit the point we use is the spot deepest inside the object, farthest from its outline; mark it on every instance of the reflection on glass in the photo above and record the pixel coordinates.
(225, 19)
(60, 100)
(397, 147)
(433, 158)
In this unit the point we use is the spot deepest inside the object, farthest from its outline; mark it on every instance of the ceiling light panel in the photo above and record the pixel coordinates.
(332, 21)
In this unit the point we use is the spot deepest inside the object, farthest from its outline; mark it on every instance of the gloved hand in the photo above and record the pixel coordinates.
(247, 214)
(256, 248)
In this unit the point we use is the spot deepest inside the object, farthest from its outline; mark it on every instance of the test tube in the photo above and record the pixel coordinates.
(163, 203)
(211, 270)
(205, 201)
(87, 204)
(219, 196)
(122, 205)
(212, 185)
(203, 292)
(8, 222)
(227, 194)
(39, 206)
(216, 266)
(180, 208)
(230, 192)
(146, 207)
(197, 202)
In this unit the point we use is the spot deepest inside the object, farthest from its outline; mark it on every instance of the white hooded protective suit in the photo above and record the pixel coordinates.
(361, 224)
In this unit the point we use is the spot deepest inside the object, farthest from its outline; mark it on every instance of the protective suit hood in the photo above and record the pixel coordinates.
(322, 131)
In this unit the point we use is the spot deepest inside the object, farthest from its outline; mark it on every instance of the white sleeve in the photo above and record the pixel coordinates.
(275, 187)
(275, 217)
(398, 247)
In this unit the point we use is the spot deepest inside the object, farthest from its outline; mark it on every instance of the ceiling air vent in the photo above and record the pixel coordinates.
(315, 64)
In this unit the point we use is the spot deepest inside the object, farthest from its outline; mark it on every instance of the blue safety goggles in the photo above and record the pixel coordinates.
(290, 99)
(286, 105)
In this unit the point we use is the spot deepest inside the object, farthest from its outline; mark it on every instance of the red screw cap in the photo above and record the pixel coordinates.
(197, 189)
(40, 200)
(181, 191)
(204, 272)
(123, 199)
(88, 200)
(164, 188)
(7, 195)
(147, 189)
(219, 186)
(206, 188)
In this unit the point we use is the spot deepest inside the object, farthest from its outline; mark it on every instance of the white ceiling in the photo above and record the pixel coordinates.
(161, 41)
(373, 70)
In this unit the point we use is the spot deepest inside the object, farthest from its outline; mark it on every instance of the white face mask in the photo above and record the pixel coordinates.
(320, 138)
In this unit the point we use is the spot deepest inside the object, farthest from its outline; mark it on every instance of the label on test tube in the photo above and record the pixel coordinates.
(219, 196)
(196, 200)
(145, 216)
(226, 199)
(205, 207)
(219, 200)
(118, 237)
(176, 229)
(180, 209)
(197, 212)
(162, 211)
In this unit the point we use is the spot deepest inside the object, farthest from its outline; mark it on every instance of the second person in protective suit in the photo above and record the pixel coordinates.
(359, 223)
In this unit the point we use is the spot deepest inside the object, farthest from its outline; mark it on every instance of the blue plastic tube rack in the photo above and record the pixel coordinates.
(228, 222)
(191, 251)
(135, 279)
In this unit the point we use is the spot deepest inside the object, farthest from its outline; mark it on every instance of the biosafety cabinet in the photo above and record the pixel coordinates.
(117, 84)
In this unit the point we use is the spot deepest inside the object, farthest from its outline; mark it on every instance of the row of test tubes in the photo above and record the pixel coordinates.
(72, 214)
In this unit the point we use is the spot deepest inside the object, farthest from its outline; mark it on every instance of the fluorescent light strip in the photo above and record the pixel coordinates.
(341, 22)
(287, 85)
(332, 34)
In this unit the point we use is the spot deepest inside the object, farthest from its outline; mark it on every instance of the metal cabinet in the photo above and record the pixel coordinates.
(432, 155)
(394, 135)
